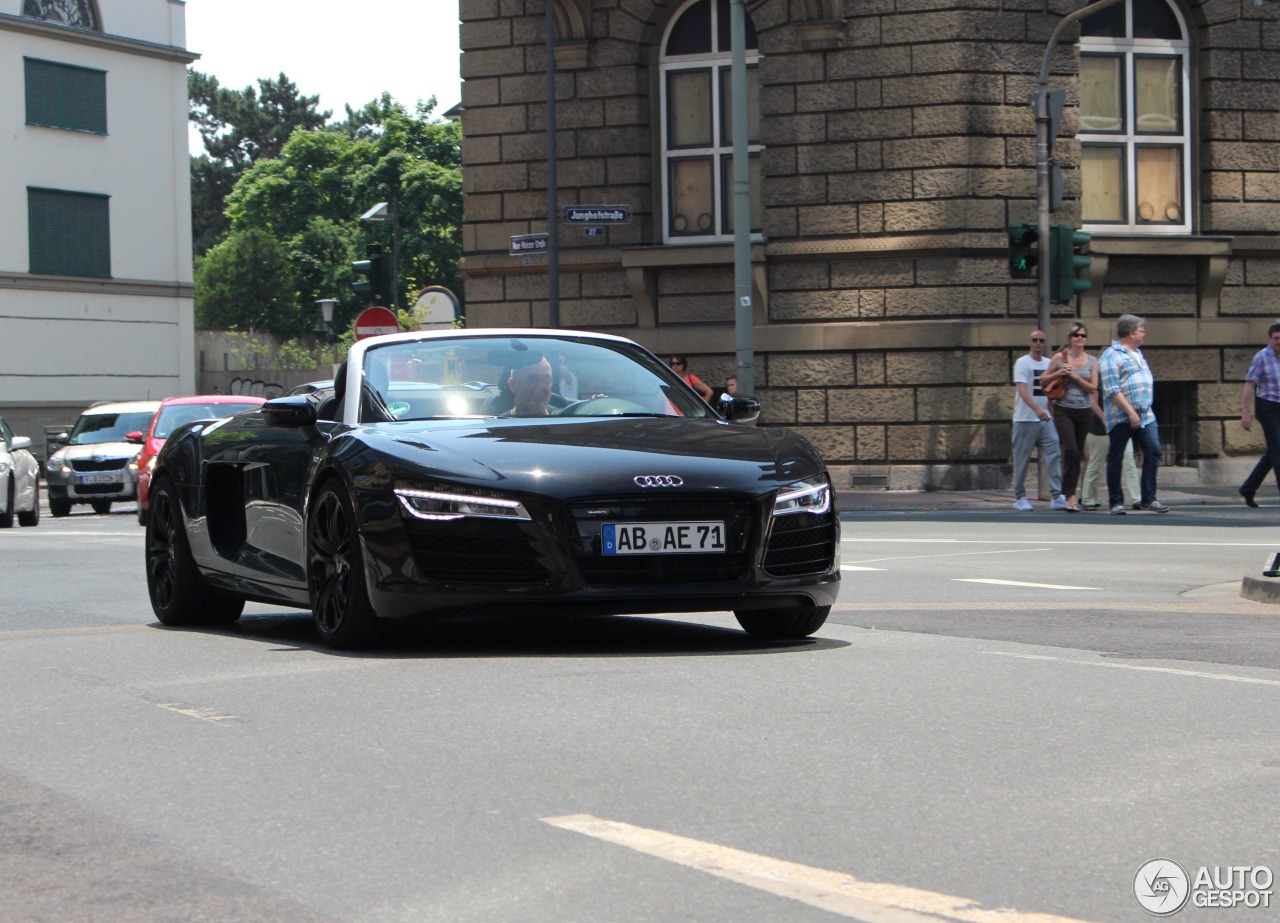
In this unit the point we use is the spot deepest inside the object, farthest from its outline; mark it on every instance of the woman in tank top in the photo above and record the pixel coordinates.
(1072, 412)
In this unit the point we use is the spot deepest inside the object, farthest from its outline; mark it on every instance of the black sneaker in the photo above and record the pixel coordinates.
(1248, 497)
(1155, 506)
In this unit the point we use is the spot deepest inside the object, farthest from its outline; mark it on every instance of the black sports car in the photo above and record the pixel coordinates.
(447, 473)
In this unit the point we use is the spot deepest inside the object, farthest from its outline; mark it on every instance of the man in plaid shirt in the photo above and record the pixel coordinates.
(1262, 399)
(1128, 390)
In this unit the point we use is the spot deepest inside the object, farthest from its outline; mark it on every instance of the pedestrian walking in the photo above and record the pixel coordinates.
(1128, 389)
(1262, 400)
(1033, 425)
(1097, 444)
(1073, 411)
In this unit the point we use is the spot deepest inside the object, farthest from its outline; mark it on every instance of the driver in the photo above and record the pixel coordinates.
(531, 385)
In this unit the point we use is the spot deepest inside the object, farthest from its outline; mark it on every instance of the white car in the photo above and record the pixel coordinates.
(19, 480)
(94, 465)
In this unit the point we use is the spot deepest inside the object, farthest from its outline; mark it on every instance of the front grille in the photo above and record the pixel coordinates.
(98, 464)
(800, 544)
(582, 520)
(476, 551)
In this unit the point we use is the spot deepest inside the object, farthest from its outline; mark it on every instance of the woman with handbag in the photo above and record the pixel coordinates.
(1073, 373)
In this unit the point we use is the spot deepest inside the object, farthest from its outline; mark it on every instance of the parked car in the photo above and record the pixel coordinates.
(174, 412)
(19, 480)
(93, 466)
(472, 487)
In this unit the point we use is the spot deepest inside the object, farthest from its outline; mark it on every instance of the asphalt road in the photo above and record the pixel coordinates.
(1003, 712)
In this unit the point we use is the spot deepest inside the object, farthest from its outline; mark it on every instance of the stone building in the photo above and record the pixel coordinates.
(95, 207)
(891, 145)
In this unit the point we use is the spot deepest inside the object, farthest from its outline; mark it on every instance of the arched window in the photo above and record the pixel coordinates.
(77, 13)
(697, 125)
(1135, 119)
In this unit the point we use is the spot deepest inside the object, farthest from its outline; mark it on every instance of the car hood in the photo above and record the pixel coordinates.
(100, 450)
(571, 457)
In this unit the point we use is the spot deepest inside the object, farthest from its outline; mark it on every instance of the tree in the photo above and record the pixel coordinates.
(239, 128)
(248, 280)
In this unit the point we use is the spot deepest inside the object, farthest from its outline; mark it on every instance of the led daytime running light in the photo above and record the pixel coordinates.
(444, 507)
(793, 499)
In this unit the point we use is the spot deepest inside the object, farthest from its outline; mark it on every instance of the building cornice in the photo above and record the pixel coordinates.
(27, 26)
(10, 281)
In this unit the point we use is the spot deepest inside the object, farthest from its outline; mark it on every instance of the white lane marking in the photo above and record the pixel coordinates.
(957, 554)
(995, 541)
(1038, 586)
(868, 901)
(856, 567)
(1202, 674)
(195, 711)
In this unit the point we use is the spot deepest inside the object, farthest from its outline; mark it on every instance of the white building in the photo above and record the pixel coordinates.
(95, 207)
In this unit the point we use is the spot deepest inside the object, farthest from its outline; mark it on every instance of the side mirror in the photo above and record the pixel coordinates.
(20, 442)
(738, 409)
(293, 410)
(135, 437)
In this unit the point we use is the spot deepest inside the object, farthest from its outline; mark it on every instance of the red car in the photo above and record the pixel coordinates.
(174, 412)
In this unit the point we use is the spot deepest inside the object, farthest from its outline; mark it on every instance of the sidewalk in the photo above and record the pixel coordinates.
(878, 499)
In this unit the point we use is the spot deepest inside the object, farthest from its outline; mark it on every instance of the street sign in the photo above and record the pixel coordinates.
(597, 214)
(374, 321)
(529, 243)
(592, 231)
(436, 306)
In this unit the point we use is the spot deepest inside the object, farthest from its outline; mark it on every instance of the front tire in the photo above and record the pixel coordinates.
(101, 507)
(59, 507)
(179, 594)
(340, 604)
(6, 518)
(32, 516)
(790, 624)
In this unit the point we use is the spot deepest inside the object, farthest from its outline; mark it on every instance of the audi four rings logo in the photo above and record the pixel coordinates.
(658, 480)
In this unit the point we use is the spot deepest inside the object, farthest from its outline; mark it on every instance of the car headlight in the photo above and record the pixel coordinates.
(445, 505)
(809, 496)
(4, 467)
(58, 464)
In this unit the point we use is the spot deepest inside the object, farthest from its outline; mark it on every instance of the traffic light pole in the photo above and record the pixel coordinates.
(1043, 144)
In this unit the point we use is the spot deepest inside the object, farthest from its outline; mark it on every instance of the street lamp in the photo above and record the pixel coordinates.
(326, 312)
(386, 211)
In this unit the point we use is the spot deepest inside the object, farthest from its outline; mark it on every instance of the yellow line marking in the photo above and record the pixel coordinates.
(1039, 586)
(868, 901)
(1251, 680)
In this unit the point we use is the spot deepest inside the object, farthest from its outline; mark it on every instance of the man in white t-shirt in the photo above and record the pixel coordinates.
(1033, 426)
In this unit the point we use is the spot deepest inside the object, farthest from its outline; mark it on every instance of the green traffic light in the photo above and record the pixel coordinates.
(1067, 259)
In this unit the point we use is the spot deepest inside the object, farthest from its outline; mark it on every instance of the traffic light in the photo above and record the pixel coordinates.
(375, 287)
(1068, 257)
(1023, 253)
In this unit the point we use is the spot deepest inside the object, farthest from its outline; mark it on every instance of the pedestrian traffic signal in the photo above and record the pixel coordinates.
(374, 288)
(1023, 253)
(1068, 257)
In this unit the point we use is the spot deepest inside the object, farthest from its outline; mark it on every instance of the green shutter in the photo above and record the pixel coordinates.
(66, 96)
(70, 233)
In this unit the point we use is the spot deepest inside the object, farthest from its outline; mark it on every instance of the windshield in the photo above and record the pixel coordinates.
(523, 376)
(93, 428)
(175, 415)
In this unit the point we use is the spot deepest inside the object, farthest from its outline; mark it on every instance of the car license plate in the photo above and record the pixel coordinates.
(662, 537)
(97, 479)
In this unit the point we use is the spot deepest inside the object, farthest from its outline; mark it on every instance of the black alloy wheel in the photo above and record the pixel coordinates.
(179, 595)
(340, 604)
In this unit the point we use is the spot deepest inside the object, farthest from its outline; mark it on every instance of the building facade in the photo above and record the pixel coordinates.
(95, 207)
(891, 145)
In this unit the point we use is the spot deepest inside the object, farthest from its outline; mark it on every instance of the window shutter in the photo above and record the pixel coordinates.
(66, 96)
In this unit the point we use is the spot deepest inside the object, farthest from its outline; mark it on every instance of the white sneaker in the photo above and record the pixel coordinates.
(1059, 503)
(1023, 505)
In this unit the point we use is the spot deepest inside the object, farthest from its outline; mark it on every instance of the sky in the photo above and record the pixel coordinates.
(346, 53)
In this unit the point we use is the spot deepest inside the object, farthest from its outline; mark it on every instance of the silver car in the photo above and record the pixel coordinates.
(19, 480)
(93, 467)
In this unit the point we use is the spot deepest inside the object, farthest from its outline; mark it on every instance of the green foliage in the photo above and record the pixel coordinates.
(249, 281)
(239, 128)
(258, 352)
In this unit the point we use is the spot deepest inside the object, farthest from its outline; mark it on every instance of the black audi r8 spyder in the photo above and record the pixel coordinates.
(444, 474)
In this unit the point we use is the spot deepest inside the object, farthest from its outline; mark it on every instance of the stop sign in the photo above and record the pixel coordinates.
(375, 320)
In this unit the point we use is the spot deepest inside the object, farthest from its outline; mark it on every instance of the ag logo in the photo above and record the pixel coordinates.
(1161, 887)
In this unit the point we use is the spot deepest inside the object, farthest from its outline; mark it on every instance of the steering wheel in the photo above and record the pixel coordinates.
(602, 406)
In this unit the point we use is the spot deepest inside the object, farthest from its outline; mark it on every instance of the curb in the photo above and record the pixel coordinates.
(1261, 590)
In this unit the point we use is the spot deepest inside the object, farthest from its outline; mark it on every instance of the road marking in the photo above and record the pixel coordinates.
(1038, 586)
(856, 567)
(868, 901)
(1202, 674)
(995, 541)
(957, 554)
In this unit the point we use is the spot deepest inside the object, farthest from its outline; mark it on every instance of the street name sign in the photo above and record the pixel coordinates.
(597, 214)
(529, 243)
